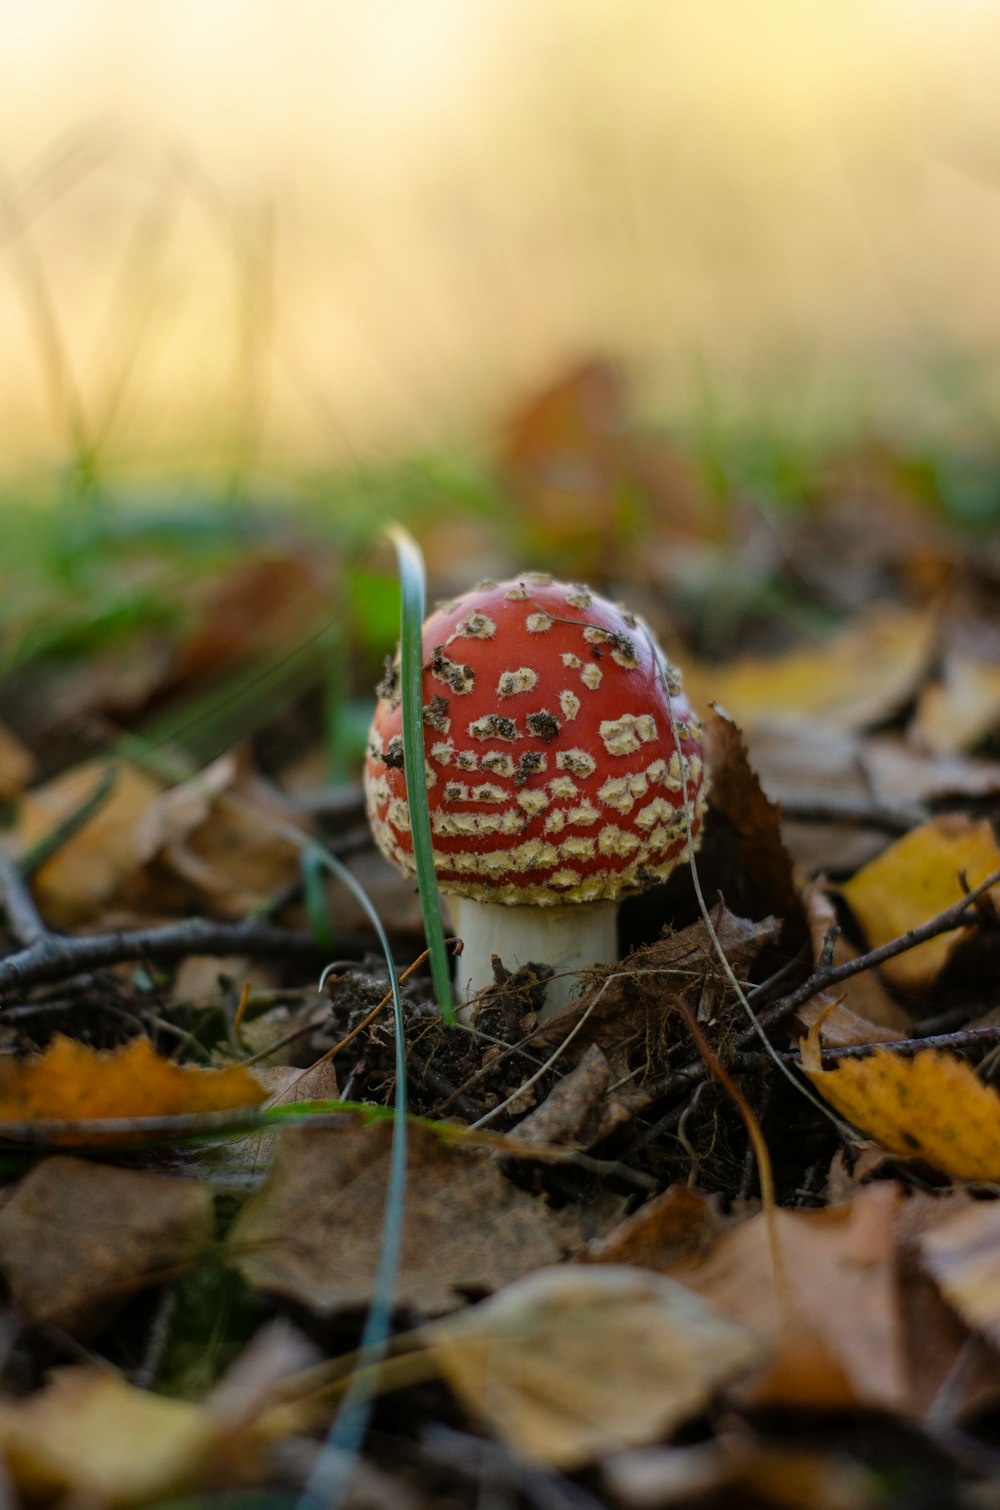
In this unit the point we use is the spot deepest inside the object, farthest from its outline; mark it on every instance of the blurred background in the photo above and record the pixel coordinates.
(243, 236)
(696, 302)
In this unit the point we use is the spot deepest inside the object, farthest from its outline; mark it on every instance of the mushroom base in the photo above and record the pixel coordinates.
(567, 938)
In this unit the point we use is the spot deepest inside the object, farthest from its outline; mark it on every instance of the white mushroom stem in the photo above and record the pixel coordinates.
(568, 938)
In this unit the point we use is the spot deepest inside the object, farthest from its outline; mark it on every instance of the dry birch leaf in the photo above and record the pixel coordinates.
(118, 1231)
(830, 1306)
(963, 1255)
(91, 867)
(860, 677)
(314, 1231)
(930, 1107)
(572, 1363)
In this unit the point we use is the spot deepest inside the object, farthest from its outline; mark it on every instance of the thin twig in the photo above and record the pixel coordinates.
(963, 1041)
(952, 917)
(54, 957)
(23, 916)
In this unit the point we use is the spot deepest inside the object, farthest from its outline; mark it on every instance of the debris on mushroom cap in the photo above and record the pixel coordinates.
(560, 750)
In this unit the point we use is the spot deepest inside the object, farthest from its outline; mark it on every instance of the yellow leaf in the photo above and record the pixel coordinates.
(17, 765)
(911, 882)
(930, 1107)
(71, 1082)
(89, 869)
(957, 711)
(90, 1435)
(859, 677)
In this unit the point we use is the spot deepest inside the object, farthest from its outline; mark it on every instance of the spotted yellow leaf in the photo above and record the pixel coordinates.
(930, 1107)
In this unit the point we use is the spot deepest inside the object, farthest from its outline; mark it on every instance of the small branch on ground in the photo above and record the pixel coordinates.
(54, 957)
(25, 920)
(961, 914)
(961, 1041)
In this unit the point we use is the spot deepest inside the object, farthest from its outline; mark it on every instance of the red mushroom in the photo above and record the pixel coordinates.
(564, 770)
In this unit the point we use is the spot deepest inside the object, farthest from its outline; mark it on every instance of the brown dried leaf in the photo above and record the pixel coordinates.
(228, 835)
(71, 1082)
(572, 1363)
(936, 1336)
(679, 1224)
(831, 1309)
(915, 879)
(758, 878)
(963, 1255)
(576, 1113)
(860, 1010)
(314, 1231)
(17, 765)
(251, 610)
(77, 1239)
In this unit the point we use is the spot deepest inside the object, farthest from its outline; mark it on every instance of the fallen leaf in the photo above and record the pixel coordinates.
(249, 611)
(572, 1363)
(960, 708)
(759, 876)
(831, 1311)
(17, 765)
(963, 1255)
(314, 1231)
(288, 1084)
(578, 1111)
(930, 1107)
(861, 677)
(568, 457)
(90, 867)
(243, 849)
(73, 1083)
(78, 1239)
(89, 1438)
(897, 773)
(915, 879)
(680, 1223)
(950, 1379)
(859, 1010)
(807, 767)
(173, 813)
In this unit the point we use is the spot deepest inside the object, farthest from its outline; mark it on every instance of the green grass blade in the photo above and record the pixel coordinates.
(412, 583)
(311, 869)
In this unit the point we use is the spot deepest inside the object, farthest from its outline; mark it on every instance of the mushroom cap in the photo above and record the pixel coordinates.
(559, 749)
